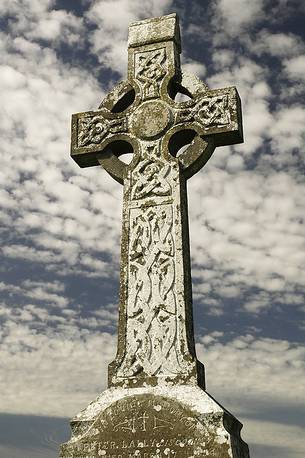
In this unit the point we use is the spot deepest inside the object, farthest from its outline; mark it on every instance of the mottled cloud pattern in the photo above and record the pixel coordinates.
(60, 225)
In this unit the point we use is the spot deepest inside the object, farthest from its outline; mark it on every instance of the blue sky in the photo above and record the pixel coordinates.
(60, 225)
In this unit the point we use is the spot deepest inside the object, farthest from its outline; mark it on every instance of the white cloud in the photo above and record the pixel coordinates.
(246, 229)
(30, 359)
(257, 380)
(38, 20)
(288, 133)
(194, 67)
(56, 210)
(109, 40)
(272, 439)
(234, 16)
(277, 44)
(29, 253)
(44, 292)
(295, 67)
(253, 366)
(235, 163)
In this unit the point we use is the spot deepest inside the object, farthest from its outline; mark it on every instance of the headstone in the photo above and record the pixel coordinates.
(156, 405)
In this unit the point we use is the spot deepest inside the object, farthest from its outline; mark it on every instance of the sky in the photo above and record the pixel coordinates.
(60, 225)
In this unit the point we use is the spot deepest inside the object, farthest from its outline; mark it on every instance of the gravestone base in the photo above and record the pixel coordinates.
(158, 422)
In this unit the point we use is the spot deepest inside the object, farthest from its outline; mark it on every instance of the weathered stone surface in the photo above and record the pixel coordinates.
(155, 423)
(156, 404)
(155, 330)
(154, 30)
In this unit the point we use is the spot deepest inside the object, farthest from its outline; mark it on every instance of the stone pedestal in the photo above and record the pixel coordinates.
(157, 422)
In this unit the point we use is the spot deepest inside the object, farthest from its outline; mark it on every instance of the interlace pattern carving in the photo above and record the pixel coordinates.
(152, 341)
(209, 111)
(213, 111)
(93, 129)
(150, 176)
(152, 308)
(151, 180)
(150, 70)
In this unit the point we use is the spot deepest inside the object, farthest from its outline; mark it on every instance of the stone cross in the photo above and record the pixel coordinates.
(156, 404)
(142, 115)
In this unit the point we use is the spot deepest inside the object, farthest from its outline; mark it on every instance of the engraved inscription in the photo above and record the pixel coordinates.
(147, 426)
(150, 69)
(142, 423)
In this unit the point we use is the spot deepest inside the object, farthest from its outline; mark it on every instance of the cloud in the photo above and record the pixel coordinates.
(39, 21)
(194, 67)
(295, 67)
(269, 439)
(246, 231)
(40, 291)
(248, 363)
(277, 44)
(243, 374)
(288, 133)
(30, 359)
(109, 40)
(52, 205)
(235, 16)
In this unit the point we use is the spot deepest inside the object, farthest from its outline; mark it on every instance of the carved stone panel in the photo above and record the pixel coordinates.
(213, 111)
(150, 69)
(93, 128)
(155, 340)
(151, 426)
(152, 305)
(216, 112)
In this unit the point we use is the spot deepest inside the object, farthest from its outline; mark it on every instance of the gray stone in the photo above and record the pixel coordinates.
(155, 404)
(155, 422)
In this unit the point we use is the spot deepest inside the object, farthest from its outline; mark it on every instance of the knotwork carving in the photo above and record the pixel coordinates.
(150, 180)
(209, 111)
(213, 111)
(93, 129)
(150, 70)
(150, 177)
(152, 307)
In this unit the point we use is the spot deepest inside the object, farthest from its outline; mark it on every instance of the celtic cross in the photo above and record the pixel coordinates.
(141, 115)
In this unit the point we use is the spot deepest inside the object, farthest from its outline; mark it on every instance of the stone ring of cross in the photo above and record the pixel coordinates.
(143, 115)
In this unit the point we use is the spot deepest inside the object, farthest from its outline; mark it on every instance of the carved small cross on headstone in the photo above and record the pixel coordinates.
(141, 116)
